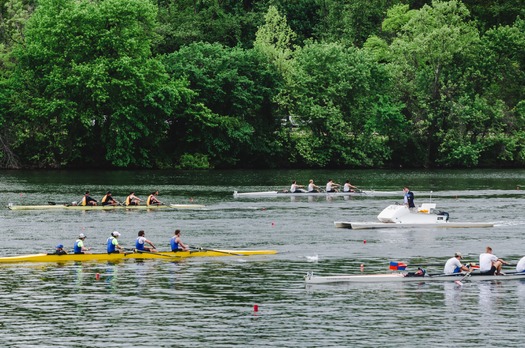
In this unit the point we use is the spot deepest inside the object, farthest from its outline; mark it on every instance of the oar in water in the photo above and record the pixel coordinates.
(217, 251)
(459, 282)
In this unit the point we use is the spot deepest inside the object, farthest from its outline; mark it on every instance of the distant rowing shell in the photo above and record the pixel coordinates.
(105, 207)
(310, 194)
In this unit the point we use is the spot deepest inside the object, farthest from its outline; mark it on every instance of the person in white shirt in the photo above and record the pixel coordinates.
(453, 265)
(296, 188)
(331, 187)
(313, 187)
(490, 263)
(348, 187)
(520, 267)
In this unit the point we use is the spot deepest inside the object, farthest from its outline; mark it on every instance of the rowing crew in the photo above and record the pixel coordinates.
(108, 199)
(313, 188)
(113, 246)
(489, 264)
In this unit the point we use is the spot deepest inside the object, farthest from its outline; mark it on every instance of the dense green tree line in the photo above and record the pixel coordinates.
(269, 83)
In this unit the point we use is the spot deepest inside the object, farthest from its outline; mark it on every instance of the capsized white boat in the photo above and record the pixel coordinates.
(310, 278)
(400, 216)
(305, 194)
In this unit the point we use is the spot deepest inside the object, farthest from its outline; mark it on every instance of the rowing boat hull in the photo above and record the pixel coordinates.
(379, 225)
(400, 277)
(168, 256)
(105, 207)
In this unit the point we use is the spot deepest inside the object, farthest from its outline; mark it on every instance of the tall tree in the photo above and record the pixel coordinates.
(91, 86)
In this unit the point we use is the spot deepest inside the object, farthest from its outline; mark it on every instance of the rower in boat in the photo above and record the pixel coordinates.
(313, 187)
(408, 198)
(348, 187)
(59, 250)
(296, 188)
(141, 241)
(177, 244)
(454, 265)
(79, 247)
(131, 199)
(520, 267)
(88, 200)
(331, 186)
(112, 244)
(108, 199)
(152, 199)
(490, 263)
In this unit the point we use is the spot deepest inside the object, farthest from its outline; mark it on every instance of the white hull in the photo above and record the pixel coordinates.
(399, 216)
(307, 194)
(379, 225)
(401, 277)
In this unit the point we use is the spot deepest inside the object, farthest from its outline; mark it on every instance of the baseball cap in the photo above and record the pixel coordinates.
(59, 246)
(457, 254)
(115, 234)
(82, 235)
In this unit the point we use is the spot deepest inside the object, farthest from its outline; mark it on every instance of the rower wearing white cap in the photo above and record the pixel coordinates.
(79, 247)
(112, 244)
(453, 265)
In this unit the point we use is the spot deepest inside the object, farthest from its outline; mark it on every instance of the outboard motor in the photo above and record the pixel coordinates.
(445, 214)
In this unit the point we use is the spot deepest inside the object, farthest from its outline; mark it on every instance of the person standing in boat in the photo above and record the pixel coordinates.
(112, 243)
(348, 187)
(331, 186)
(79, 247)
(490, 263)
(88, 200)
(177, 244)
(141, 241)
(454, 265)
(313, 187)
(152, 199)
(131, 199)
(296, 188)
(408, 199)
(108, 199)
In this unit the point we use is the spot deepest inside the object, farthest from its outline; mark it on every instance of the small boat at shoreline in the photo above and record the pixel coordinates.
(310, 278)
(400, 216)
(310, 194)
(12, 206)
(168, 256)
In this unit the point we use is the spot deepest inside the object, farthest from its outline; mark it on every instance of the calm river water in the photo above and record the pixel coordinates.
(210, 302)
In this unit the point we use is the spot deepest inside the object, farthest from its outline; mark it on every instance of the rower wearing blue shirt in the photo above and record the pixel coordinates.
(176, 243)
(141, 241)
(79, 247)
(112, 243)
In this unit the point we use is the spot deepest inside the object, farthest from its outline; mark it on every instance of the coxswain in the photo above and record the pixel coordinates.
(59, 250)
(152, 199)
(141, 241)
(132, 199)
(108, 199)
(79, 247)
(112, 243)
(88, 200)
(177, 244)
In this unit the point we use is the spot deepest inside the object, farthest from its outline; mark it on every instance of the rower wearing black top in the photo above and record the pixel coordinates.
(88, 200)
(108, 199)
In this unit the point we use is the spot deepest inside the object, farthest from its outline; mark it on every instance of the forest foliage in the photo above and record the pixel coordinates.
(262, 84)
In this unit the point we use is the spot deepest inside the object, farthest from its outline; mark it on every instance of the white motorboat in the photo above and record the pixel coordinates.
(400, 216)
(310, 278)
(308, 194)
